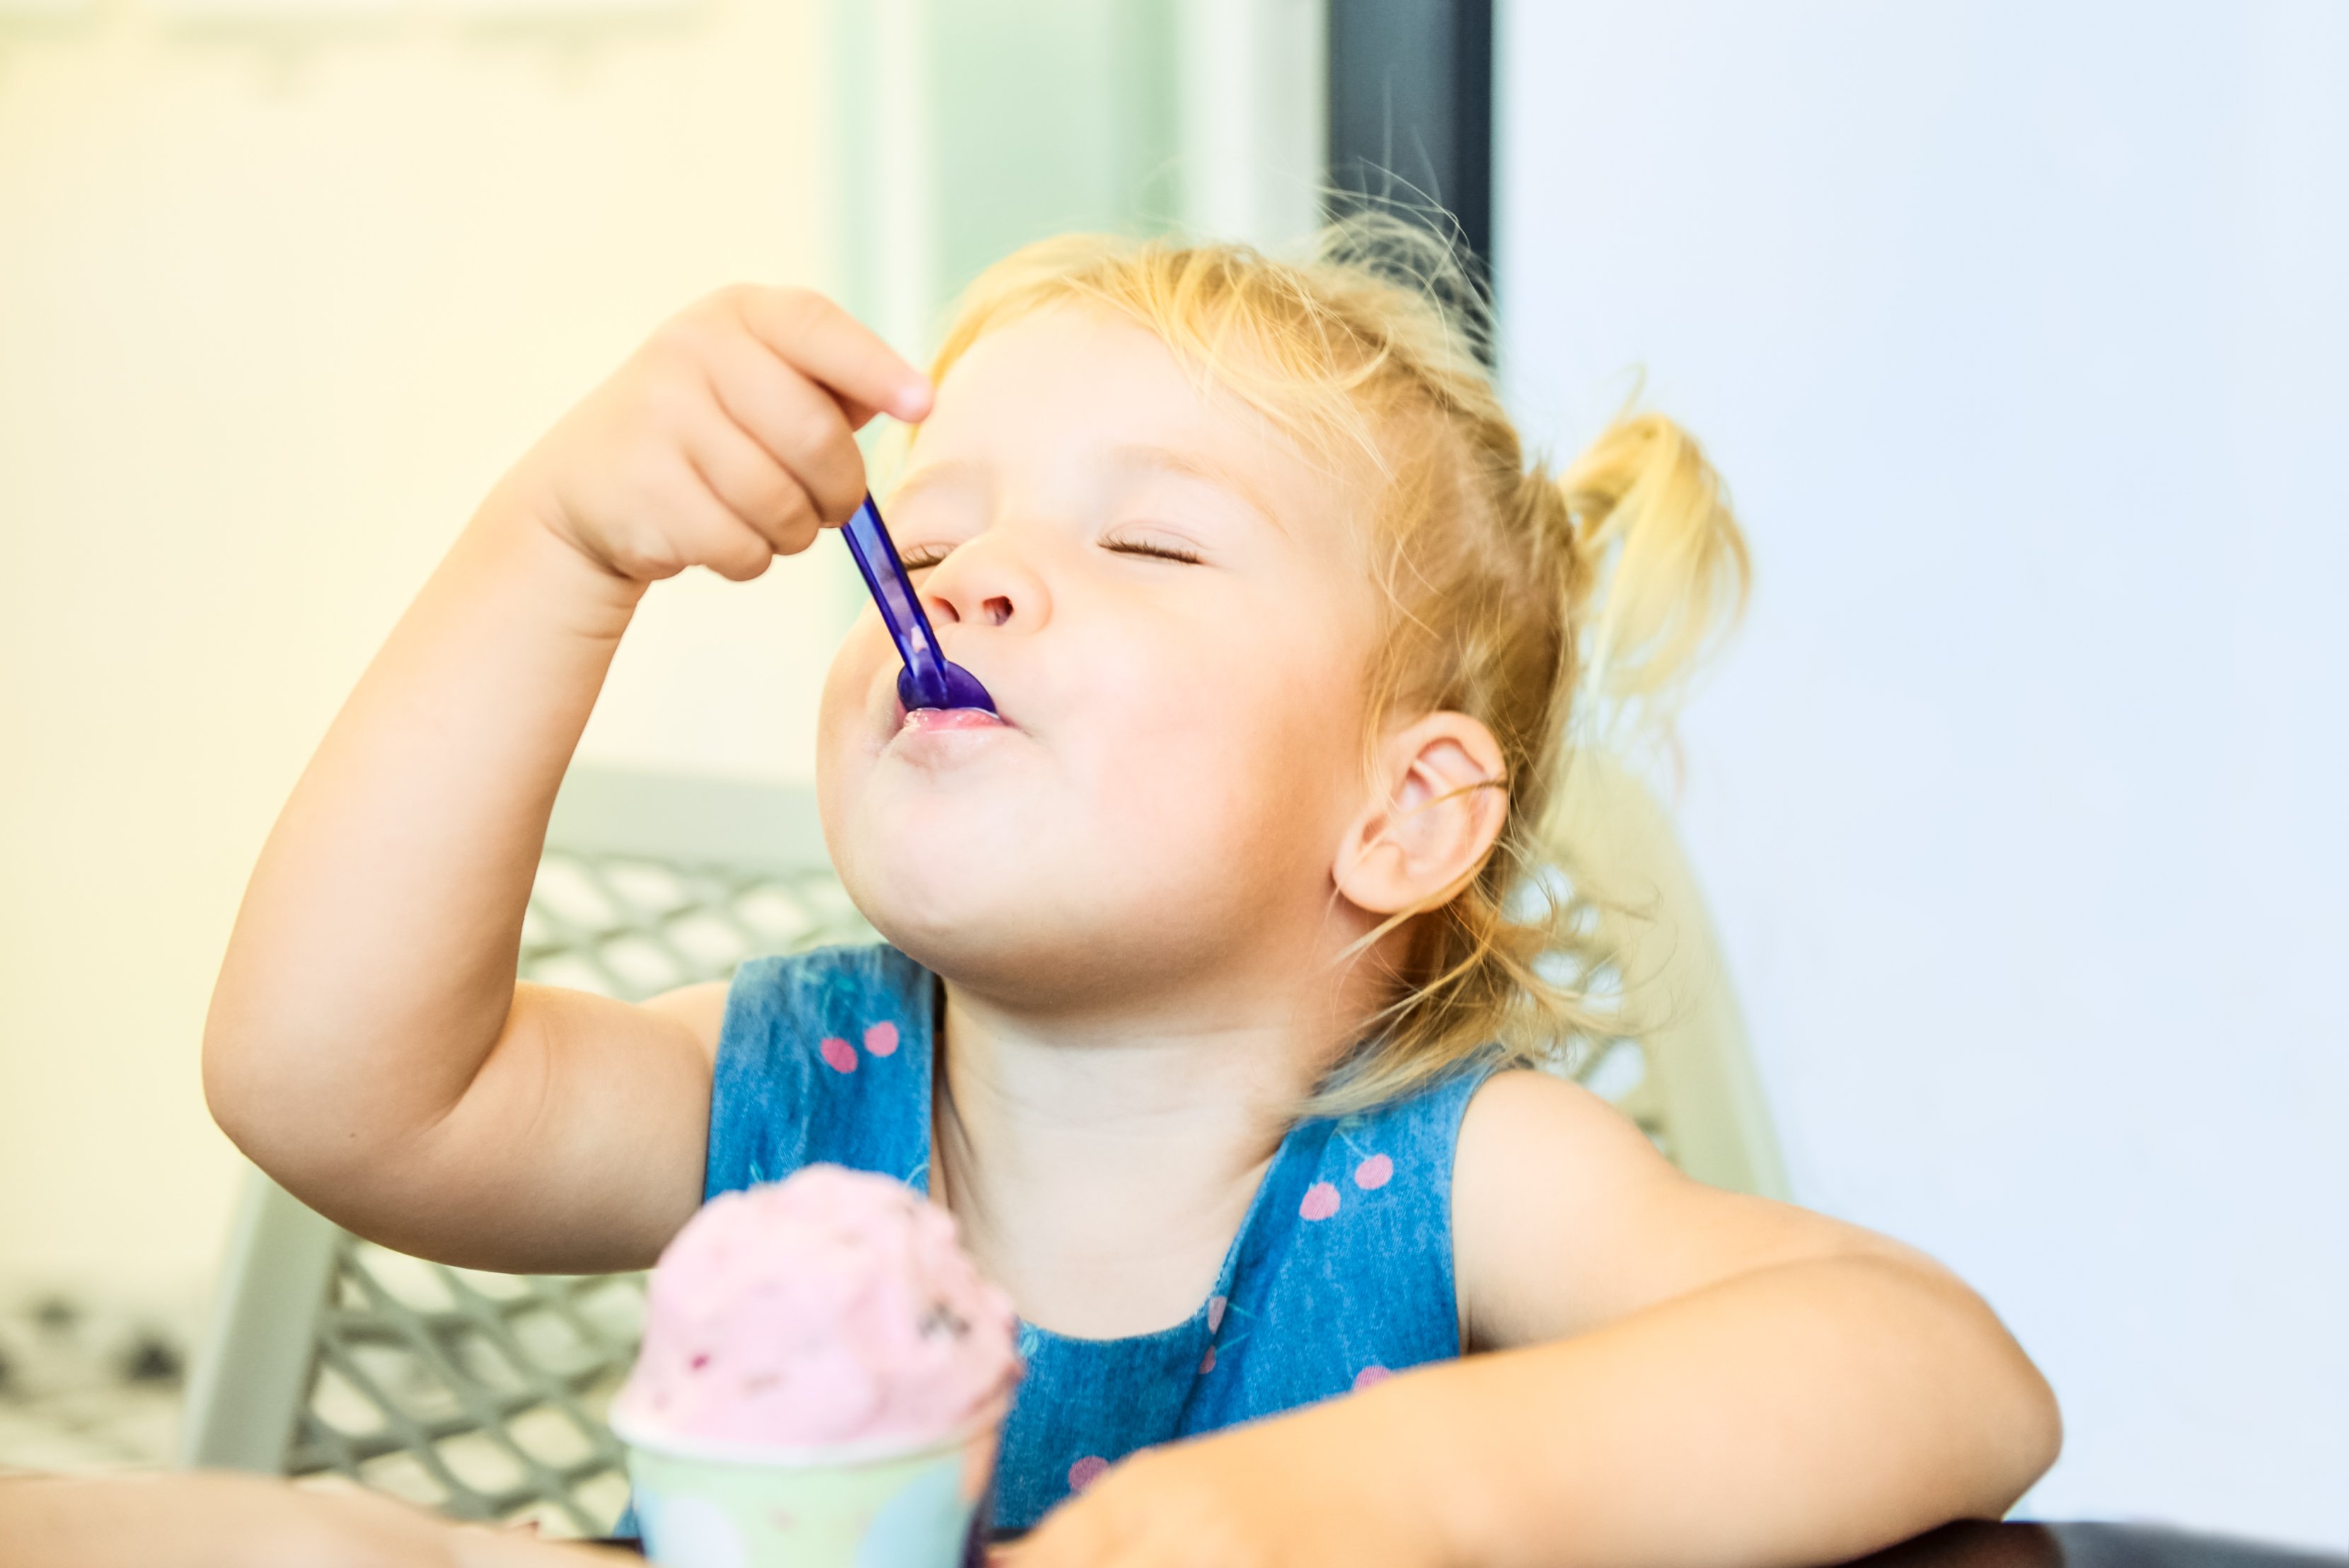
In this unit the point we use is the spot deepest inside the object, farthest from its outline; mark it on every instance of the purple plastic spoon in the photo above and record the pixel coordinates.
(928, 681)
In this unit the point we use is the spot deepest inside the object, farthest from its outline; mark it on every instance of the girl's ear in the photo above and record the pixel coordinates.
(1437, 805)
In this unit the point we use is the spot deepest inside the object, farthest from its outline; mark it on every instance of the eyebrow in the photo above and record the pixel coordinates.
(930, 475)
(1134, 458)
(1182, 465)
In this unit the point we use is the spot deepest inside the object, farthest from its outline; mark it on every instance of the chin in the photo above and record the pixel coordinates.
(1077, 932)
(1015, 951)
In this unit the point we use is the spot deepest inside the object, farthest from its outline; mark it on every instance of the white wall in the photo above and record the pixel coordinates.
(2022, 335)
(276, 304)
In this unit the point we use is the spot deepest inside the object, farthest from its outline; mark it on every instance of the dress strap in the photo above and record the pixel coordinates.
(823, 1057)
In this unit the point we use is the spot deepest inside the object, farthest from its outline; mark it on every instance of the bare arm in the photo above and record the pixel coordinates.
(367, 1044)
(221, 1520)
(1680, 1379)
(1824, 1390)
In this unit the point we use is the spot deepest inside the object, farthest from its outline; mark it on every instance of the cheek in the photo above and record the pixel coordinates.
(847, 687)
(849, 681)
(1249, 735)
(1294, 674)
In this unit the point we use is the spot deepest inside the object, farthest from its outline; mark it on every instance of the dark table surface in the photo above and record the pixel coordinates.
(1974, 1544)
(1978, 1545)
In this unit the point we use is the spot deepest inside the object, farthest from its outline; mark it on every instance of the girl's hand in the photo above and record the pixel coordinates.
(1319, 1487)
(724, 441)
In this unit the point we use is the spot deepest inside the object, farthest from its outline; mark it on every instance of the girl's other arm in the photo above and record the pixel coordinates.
(1680, 1379)
(1703, 1377)
(368, 1044)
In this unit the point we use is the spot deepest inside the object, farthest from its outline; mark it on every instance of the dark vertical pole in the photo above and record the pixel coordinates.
(1411, 114)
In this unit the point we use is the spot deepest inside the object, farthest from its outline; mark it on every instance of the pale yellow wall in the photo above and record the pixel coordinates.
(274, 308)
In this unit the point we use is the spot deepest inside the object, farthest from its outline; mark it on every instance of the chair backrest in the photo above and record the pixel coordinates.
(1682, 1070)
(484, 1395)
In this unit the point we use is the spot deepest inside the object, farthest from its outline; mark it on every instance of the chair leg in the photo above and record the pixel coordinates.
(253, 1369)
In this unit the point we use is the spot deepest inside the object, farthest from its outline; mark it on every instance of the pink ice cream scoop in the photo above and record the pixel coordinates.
(836, 1308)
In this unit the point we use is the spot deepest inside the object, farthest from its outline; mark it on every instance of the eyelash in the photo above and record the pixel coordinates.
(1156, 552)
(922, 559)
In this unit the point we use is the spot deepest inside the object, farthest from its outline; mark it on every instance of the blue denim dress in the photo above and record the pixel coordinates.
(1341, 1274)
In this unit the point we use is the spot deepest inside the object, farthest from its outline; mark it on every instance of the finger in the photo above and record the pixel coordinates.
(748, 481)
(817, 336)
(795, 420)
(707, 533)
(859, 414)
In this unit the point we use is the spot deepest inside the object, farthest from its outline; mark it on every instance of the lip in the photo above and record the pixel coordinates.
(936, 732)
(949, 721)
(933, 721)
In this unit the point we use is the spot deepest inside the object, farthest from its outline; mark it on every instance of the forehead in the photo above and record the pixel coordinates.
(1068, 384)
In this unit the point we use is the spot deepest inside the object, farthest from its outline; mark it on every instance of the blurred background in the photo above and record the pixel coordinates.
(2017, 329)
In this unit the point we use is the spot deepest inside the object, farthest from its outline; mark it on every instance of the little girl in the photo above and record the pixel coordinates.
(1213, 977)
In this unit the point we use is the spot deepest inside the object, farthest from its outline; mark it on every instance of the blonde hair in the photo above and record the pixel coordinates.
(1509, 591)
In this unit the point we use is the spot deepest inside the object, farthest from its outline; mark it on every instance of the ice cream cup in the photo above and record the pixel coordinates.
(713, 1504)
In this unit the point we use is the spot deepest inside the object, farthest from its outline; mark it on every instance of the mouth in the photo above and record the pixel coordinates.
(911, 724)
(942, 720)
(933, 734)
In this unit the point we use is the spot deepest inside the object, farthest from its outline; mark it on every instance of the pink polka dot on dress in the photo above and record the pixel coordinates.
(1207, 1362)
(882, 1040)
(1372, 1376)
(1375, 1172)
(1216, 1305)
(1086, 1471)
(838, 1054)
(1320, 1201)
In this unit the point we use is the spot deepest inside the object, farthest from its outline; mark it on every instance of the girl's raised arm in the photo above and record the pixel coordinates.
(368, 1044)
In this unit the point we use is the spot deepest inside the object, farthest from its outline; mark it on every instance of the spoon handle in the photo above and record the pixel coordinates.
(929, 682)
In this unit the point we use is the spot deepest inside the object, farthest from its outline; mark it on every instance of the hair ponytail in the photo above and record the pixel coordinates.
(1662, 554)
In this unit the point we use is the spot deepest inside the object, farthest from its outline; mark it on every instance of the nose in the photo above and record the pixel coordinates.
(987, 581)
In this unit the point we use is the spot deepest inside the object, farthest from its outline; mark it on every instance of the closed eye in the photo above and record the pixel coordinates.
(1156, 552)
(921, 557)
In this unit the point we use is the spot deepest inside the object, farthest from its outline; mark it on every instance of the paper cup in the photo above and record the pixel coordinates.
(731, 1505)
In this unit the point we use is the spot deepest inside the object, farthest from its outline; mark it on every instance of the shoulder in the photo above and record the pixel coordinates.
(1526, 1129)
(1566, 1217)
(1551, 1182)
(701, 1008)
(1529, 1138)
